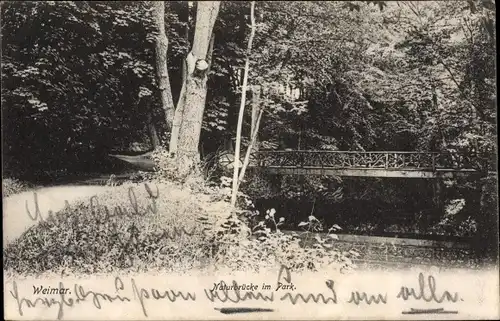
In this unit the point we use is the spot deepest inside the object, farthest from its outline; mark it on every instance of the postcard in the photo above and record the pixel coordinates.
(241, 160)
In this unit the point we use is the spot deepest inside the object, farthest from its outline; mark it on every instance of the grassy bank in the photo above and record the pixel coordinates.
(160, 227)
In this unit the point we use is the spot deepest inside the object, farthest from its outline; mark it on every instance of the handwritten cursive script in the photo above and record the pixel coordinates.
(36, 215)
(118, 210)
(80, 294)
(427, 292)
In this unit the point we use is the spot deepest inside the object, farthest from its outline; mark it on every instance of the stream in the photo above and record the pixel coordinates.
(358, 217)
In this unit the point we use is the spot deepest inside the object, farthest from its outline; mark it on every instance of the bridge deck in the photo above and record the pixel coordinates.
(365, 172)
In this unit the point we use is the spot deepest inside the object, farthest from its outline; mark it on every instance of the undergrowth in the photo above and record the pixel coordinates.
(11, 186)
(167, 226)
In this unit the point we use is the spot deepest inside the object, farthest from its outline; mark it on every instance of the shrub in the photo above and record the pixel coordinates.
(167, 170)
(13, 186)
(454, 224)
(269, 247)
(450, 225)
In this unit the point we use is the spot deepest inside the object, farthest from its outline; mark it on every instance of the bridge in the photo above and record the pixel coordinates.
(346, 163)
(365, 164)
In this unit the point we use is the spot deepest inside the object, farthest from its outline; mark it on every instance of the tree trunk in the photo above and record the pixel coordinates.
(438, 197)
(253, 141)
(188, 117)
(256, 92)
(242, 108)
(153, 134)
(161, 64)
(176, 124)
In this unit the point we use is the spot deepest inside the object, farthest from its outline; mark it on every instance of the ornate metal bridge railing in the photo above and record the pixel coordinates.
(375, 160)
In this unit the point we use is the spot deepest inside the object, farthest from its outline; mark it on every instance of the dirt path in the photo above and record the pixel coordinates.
(15, 216)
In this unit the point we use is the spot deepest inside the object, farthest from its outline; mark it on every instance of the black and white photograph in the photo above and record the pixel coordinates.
(220, 160)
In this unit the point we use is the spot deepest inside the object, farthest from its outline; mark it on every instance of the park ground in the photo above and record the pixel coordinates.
(73, 239)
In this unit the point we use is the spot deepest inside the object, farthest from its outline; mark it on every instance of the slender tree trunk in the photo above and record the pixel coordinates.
(250, 148)
(161, 64)
(153, 134)
(188, 117)
(256, 92)
(435, 102)
(242, 108)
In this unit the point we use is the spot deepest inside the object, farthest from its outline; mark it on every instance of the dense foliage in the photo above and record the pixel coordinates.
(411, 75)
